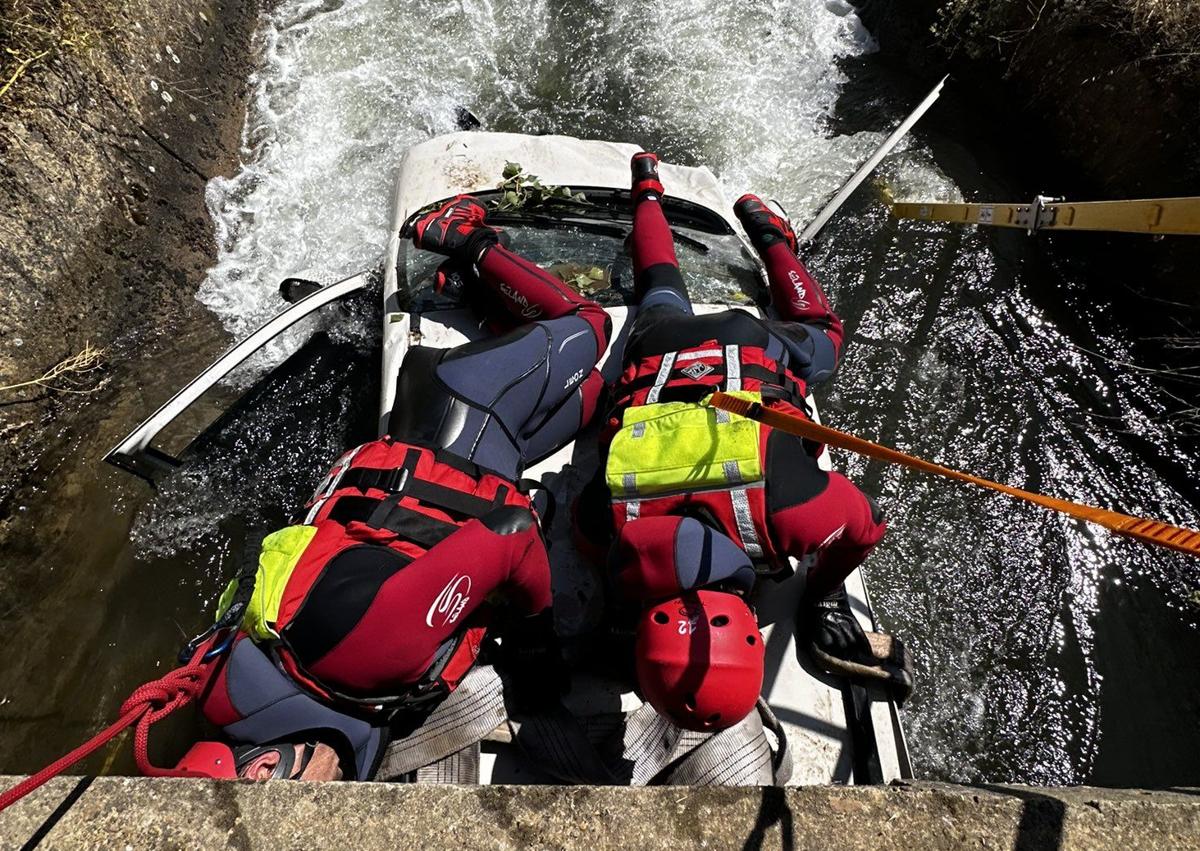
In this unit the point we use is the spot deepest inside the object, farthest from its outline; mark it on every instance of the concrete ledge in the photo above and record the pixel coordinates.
(136, 813)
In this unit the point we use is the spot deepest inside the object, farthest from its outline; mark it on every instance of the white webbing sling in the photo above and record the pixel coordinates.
(639, 748)
(458, 724)
(647, 749)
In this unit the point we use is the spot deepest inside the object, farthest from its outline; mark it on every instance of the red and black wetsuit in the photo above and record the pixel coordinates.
(377, 596)
(807, 509)
(386, 597)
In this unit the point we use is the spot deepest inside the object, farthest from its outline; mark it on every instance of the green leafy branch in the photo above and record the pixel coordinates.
(520, 189)
(585, 280)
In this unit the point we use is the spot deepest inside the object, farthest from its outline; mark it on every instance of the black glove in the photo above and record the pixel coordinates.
(456, 230)
(832, 627)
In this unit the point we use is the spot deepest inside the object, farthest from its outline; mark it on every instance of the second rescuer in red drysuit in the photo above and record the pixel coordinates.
(700, 496)
(376, 600)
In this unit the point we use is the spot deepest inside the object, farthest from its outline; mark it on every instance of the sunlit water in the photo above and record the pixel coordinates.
(952, 355)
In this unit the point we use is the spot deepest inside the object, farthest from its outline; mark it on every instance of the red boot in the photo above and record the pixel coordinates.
(763, 226)
(644, 166)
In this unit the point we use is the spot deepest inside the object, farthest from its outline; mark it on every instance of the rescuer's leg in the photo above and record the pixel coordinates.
(795, 294)
(537, 381)
(656, 274)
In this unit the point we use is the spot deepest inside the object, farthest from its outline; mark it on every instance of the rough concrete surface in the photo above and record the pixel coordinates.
(123, 812)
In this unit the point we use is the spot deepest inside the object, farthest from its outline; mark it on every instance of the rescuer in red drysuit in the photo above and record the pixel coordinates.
(796, 510)
(376, 600)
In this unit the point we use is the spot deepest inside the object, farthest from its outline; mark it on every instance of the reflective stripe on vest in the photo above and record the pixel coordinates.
(330, 483)
(733, 369)
(664, 373)
(683, 376)
(745, 522)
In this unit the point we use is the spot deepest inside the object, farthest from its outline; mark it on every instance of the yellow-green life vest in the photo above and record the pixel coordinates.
(671, 447)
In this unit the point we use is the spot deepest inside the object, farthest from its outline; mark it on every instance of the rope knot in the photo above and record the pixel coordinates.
(173, 689)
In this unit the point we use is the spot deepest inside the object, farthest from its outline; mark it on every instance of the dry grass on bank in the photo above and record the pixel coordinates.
(1174, 24)
(79, 373)
(34, 33)
(1166, 32)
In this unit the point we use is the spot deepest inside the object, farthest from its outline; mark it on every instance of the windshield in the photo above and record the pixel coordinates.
(587, 245)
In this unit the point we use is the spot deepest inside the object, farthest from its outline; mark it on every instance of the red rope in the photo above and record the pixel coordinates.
(147, 704)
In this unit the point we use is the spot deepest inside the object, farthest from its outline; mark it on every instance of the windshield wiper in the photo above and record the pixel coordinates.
(584, 224)
(544, 221)
(703, 248)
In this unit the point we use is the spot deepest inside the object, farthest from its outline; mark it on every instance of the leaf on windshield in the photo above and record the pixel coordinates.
(582, 278)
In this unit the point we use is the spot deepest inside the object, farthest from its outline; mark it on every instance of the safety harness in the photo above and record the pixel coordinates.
(399, 496)
(671, 454)
(690, 374)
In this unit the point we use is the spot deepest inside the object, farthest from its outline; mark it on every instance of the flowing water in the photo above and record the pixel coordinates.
(1047, 651)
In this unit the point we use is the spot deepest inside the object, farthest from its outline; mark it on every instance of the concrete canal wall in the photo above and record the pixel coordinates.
(137, 813)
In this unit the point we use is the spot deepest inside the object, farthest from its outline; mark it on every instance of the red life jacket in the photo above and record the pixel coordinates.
(689, 375)
(403, 497)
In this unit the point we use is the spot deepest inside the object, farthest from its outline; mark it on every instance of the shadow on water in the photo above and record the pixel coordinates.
(1047, 653)
(133, 599)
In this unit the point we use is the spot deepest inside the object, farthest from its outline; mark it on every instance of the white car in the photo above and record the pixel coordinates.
(836, 732)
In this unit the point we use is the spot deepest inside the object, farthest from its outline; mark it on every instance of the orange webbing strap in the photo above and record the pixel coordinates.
(1148, 531)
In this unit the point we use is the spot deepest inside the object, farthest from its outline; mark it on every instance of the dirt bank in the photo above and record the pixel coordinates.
(107, 140)
(1101, 97)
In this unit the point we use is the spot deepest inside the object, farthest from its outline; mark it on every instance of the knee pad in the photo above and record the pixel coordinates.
(424, 409)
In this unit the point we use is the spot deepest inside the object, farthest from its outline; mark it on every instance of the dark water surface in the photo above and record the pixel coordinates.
(1047, 651)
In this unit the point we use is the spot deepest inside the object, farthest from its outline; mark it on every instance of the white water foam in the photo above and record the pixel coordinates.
(346, 87)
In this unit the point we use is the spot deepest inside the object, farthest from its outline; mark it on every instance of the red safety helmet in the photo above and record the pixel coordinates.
(700, 659)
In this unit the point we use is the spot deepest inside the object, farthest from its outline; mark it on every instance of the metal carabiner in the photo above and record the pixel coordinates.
(221, 647)
(218, 648)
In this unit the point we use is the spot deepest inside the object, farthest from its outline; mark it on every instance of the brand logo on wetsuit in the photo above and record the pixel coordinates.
(451, 602)
(573, 379)
(801, 301)
(697, 371)
(833, 536)
(529, 311)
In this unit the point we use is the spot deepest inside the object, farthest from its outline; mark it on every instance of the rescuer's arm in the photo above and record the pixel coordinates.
(530, 654)
(838, 521)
